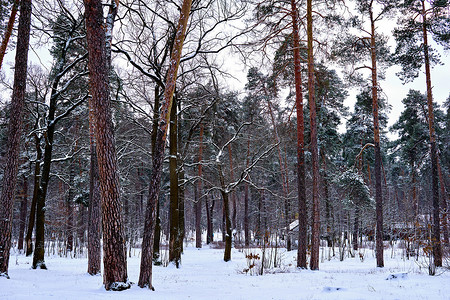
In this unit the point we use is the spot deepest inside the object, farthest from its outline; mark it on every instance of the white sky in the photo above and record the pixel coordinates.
(392, 86)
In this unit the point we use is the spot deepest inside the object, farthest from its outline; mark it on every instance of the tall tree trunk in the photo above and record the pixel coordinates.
(233, 193)
(69, 208)
(145, 276)
(356, 228)
(38, 255)
(376, 131)
(14, 132)
(226, 209)
(414, 192)
(436, 233)
(181, 195)
(315, 232)
(32, 217)
(209, 222)
(114, 260)
(95, 213)
(81, 228)
(301, 187)
(157, 236)
(199, 192)
(8, 31)
(328, 205)
(23, 212)
(174, 246)
(246, 200)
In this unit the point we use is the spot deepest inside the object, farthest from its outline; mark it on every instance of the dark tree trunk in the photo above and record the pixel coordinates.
(315, 232)
(436, 233)
(69, 207)
(233, 194)
(157, 236)
(114, 260)
(301, 188)
(95, 213)
(14, 132)
(38, 256)
(145, 276)
(226, 209)
(246, 200)
(181, 195)
(328, 205)
(174, 239)
(224, 226)
(32, 217)
(23, 212)
(198, 194)
(8, 31)
(209, 222)
(81, 228)
(377, 167)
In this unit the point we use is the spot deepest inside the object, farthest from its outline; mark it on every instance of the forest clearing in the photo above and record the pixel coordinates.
(204, 275)
(237, 149)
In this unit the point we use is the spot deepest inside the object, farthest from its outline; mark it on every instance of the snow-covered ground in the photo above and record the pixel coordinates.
(204, 275)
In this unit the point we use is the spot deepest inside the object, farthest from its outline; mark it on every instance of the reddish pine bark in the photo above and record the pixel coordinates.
(14, 132)
(315, 232)
(436, 233)
(145, 276)
(302, 232)
(9, 29)
(94, 223)
(376, 132)
(114, 260)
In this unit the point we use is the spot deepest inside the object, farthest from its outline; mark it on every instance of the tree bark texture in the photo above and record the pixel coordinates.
(114, 254)
(376, 131)
(301, 188)
(209, 223)
(9, 29)
(145, 276)
(226, 209)
(315, 232)
(157, 235)
(175, 229)
(436, 233)
(14, 132)
(95, 209)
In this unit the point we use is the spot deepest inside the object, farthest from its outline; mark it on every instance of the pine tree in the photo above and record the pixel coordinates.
(14, 132)
(421, 17)
(114, 260)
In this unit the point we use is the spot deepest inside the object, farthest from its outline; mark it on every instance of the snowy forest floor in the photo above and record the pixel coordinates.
(204, 275)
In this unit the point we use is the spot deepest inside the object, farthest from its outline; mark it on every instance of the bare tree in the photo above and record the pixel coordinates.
(145, 277)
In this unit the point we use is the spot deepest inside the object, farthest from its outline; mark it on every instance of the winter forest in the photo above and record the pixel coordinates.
(223, 149)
